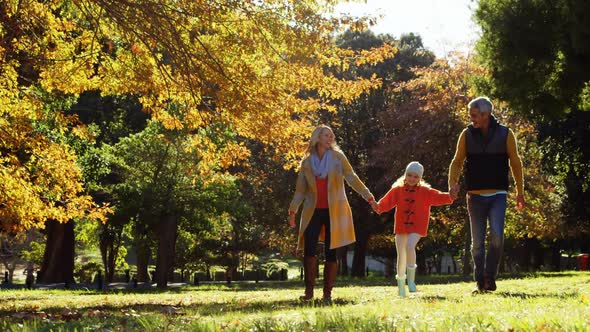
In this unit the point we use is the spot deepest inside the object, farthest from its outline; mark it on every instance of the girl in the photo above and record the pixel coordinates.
(413, 198)
(326, 214)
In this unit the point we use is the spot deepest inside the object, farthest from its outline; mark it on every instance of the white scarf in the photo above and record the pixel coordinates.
(320, 167)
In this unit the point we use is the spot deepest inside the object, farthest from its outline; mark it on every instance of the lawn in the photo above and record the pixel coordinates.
(541, 301)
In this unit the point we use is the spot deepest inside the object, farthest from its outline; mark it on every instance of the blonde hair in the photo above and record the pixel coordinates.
(315, 138)
(400, 182)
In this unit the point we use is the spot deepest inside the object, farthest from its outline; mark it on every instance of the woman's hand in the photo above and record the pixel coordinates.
(375, 206)
(292, 219)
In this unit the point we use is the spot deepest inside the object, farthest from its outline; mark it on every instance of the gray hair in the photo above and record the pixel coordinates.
(483, 104)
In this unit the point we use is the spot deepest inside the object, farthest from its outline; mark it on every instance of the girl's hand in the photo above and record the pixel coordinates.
(292, 220)
(375, 206)
(453, 197)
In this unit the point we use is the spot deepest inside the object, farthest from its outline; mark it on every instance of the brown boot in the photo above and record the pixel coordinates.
(330, 269)
(309, 269)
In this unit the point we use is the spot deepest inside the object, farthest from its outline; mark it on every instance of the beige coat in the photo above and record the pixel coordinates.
(341, 226)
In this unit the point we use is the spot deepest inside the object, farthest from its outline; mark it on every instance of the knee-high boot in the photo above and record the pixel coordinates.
(330, 270)
(309, 269)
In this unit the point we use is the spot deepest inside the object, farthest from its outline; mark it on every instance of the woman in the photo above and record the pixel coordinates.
(326, 214)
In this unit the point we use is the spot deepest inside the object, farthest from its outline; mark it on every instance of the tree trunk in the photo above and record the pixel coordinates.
(342, 257)
(538, 254)
(421, 262)
(438, 261)
(110, 241)
(58, 259)
(363, 232)
(233, 267)
(142, 247)
(166, 242)
(360, 252)
(525, 254)
(556, 255)
(11, 273)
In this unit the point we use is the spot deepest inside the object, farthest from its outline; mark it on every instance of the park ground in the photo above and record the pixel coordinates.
(558, 301)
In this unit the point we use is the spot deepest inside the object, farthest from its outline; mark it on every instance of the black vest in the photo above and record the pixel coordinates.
(486, 166)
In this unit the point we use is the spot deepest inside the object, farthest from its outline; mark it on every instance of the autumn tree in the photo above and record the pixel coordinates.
(244, 63)
(247, 65)
(422, 123)
(39, 178)
(358, 125)
(538, 57)
(426, 121)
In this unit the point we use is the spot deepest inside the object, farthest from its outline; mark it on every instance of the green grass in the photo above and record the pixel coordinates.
(542, 301)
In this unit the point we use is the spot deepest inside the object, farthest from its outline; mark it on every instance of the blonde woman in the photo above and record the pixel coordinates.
(326, 214)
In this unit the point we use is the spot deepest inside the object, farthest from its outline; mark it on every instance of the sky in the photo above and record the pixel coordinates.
(444, 25)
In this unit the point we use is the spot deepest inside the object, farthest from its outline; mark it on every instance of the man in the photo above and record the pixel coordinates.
(489, 151)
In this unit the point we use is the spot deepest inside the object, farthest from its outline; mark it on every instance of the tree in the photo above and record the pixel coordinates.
(18, 248)
(539, 64)
(191, 64)
(39, 178)
(244, 63)
(167, 178)
(109, 118)
(360, 123)
(265, 185)
(425, 121)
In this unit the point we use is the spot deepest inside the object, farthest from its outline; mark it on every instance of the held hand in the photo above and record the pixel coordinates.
(292, 221)
(453, 197)
(520, 202)
(454, 191)
(375, 206)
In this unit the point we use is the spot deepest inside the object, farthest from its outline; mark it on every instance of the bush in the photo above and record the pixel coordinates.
(273, 269)
(86, 271)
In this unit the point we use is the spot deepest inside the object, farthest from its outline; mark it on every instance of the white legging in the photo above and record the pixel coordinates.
(406, 252)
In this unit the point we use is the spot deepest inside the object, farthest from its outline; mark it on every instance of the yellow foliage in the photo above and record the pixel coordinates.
(250, 65)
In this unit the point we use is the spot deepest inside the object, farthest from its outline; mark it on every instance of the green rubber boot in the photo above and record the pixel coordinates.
(411, 273)
(401, 285)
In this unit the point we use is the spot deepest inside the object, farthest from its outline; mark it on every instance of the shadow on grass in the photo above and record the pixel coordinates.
(341, 281)
(208, 309)
(433, 298)
(525, 296)
(553, 274)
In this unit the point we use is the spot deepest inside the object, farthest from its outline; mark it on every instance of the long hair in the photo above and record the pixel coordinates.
(400, 182)
(315, 138)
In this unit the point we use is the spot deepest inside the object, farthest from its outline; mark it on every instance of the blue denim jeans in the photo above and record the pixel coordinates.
(481, 209)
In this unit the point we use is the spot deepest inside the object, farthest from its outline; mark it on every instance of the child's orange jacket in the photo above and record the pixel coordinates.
(413, 207)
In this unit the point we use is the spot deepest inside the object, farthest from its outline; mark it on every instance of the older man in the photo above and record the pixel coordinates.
(489, 151)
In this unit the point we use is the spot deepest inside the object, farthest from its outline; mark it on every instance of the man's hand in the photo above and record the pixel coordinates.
(520, 202)
(454, 191)
(292, 219)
